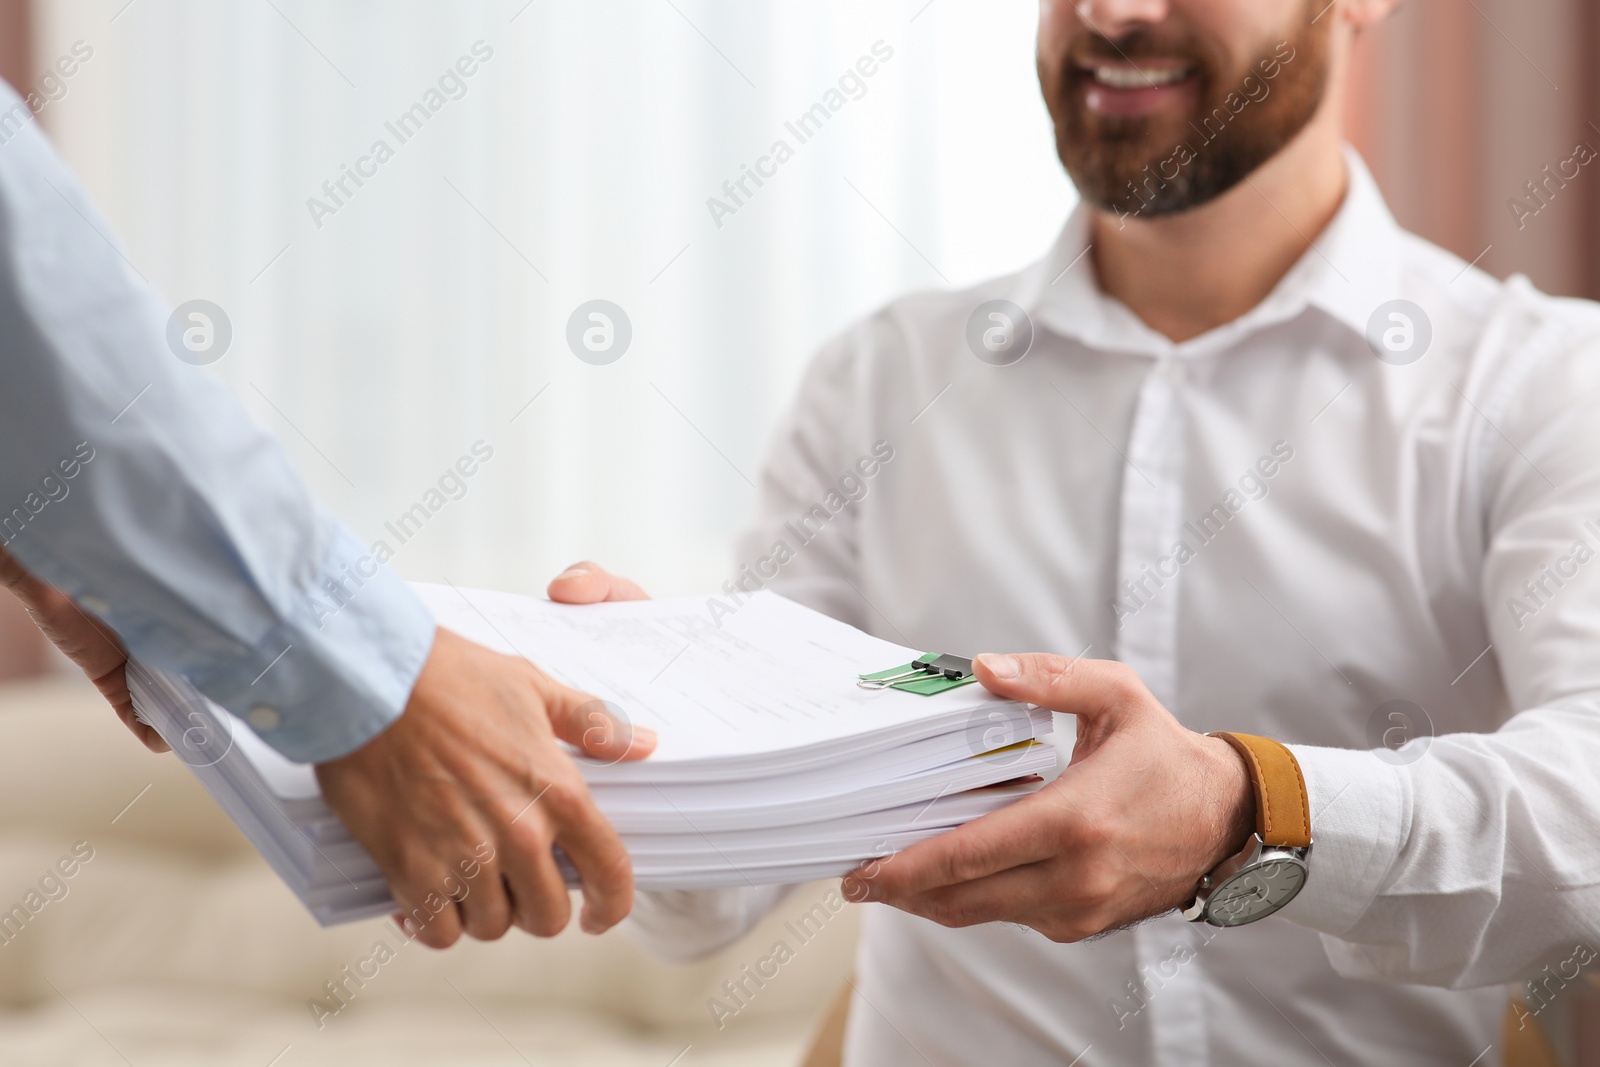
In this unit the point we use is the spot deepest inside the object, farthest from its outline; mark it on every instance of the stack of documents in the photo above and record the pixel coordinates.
(773, 766)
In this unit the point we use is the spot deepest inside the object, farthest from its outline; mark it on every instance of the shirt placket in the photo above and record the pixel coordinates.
(1169, 980)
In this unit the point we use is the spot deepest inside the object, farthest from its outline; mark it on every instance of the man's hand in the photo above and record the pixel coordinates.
(1143, 811)
(590, 583)
(461, 800)
(88, 643)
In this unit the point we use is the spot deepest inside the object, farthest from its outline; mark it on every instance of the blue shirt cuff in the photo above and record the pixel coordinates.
(338, 669)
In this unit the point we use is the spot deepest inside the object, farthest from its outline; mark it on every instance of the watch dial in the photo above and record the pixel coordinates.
(1256, 893)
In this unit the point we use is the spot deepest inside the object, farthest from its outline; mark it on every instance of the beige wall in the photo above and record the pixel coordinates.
(22, 651)
(16, 41)
(1459, 103)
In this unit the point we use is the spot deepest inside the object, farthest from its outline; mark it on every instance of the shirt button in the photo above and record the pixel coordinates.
(94, 605)
(262, 717)
(1171, 372)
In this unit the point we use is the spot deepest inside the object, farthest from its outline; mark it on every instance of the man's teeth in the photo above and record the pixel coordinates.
(1130, 78)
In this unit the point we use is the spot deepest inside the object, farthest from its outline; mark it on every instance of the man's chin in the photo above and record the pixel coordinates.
(1149, 167)
(1117, 176)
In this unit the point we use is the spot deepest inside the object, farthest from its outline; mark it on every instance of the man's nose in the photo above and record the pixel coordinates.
(1113, 18)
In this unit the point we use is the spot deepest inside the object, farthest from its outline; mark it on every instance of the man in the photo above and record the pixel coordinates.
(1306, 477)
(139, 505)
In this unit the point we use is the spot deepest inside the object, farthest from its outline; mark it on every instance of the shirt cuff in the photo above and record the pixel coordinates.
(1360, 817)
(338, 669)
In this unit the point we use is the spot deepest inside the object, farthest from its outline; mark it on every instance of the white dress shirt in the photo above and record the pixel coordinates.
(1355, 532)
(136, 484)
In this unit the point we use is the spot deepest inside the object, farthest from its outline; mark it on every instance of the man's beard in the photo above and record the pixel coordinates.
(1131, 165)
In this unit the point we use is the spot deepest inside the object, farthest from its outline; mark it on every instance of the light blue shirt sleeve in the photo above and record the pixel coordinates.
(137, 485)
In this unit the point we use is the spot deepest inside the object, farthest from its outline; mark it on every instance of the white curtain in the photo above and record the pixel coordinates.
(381, 339)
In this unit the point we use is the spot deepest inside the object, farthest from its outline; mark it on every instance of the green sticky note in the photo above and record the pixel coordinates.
(931, 685)
(927, 685)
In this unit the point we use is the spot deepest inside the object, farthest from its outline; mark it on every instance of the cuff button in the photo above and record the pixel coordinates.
(262, 717)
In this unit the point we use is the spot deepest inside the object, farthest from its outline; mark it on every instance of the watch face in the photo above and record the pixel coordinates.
(1257, 892)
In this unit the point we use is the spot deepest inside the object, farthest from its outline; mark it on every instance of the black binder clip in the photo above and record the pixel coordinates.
(929, 666)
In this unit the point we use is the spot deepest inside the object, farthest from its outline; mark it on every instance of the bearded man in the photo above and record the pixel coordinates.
(1248, 459)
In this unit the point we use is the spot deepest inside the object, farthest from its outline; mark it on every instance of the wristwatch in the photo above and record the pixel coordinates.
(1272, 867)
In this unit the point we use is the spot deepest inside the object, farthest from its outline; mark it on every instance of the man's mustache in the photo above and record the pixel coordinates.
(1135, 45)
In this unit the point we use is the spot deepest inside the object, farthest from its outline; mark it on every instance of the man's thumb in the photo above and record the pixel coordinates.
(1075, 686)
(598, 728)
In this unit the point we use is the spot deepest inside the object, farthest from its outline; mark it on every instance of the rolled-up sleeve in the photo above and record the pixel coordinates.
(133, 482)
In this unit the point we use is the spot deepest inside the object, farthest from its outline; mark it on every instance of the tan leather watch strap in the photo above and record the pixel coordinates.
(1283, 813)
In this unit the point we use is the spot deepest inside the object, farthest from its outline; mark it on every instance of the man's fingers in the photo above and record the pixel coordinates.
(1085, 687)
(144, 732)
(83, 639)
(426, 914)
(542, 906)
(113, 685)
(590, 583)
(595, 728)
(18, 580)
(995, 898)
(996, 842)
(484, 904)
(603, 865)
(472, 759)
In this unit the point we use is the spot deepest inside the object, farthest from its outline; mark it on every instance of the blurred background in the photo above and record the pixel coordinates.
(379, 342)
(382, 330)
(383, 333)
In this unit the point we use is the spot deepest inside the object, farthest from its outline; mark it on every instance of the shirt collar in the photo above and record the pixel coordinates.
(1346, 273)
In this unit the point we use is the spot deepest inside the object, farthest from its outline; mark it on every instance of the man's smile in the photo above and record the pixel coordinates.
(1146, 87)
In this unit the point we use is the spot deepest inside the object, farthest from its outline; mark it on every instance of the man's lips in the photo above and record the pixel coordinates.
(1145, 87)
